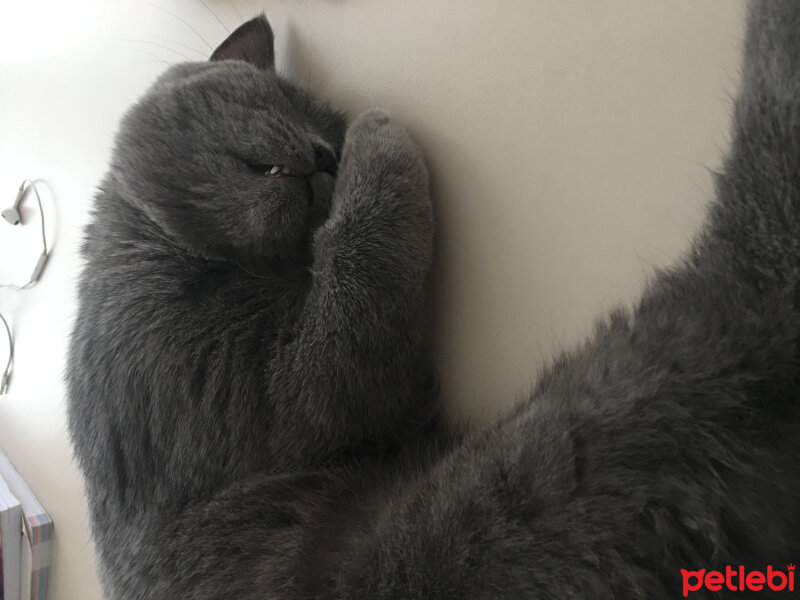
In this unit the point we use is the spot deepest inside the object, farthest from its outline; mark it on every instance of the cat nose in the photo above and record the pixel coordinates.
(325, 159)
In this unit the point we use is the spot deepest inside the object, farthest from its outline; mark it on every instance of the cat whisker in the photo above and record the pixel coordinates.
(238, 12)
(153, 58)
(161, 46)
(188, 47)
(197, 33)
(216, 16)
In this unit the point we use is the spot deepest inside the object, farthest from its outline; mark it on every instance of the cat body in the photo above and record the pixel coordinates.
(254, 416)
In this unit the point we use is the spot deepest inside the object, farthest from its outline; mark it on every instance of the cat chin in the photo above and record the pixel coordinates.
(281, 255)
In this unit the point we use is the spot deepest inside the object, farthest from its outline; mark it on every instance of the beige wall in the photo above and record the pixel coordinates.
(569, 144)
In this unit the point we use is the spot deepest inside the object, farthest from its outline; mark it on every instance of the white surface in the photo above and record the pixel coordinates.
(568, 141)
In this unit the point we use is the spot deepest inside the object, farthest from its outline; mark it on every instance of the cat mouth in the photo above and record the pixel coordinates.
(278, 171)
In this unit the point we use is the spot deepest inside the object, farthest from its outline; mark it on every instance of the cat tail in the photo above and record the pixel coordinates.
(755, 224)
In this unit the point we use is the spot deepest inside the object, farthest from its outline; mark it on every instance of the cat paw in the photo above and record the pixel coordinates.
(370, 119)
(374, 143)
(374, 127)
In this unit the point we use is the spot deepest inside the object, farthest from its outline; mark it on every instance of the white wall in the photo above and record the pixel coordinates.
(569, 144)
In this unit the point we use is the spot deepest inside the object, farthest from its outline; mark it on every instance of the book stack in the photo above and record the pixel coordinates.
(25, 532)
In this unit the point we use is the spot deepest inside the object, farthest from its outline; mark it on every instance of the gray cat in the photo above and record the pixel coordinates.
(254, 415)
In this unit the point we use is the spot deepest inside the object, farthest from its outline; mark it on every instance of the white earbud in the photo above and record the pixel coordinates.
(12, 214)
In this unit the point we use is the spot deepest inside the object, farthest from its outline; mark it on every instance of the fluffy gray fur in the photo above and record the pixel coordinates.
(254, 417)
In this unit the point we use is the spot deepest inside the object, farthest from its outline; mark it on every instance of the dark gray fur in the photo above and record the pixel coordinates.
(250, 405)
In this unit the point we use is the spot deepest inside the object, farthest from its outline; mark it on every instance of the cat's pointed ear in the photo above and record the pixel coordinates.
(252, 42)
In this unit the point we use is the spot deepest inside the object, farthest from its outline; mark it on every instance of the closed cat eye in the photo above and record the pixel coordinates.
(324, 162)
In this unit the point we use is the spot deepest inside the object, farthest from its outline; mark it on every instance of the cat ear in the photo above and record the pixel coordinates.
(252, 42)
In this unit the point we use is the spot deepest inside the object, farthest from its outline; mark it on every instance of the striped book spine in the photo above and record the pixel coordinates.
(40, 530)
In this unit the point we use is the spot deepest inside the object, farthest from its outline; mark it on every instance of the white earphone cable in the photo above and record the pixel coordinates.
(7, 371)
(27, 184)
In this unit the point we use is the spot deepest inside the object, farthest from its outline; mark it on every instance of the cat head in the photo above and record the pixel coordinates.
(228, 158)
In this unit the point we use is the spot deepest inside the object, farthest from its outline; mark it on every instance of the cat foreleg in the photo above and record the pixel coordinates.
(352, 371)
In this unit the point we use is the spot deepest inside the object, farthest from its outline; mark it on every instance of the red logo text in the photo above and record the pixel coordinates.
(738, 580)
